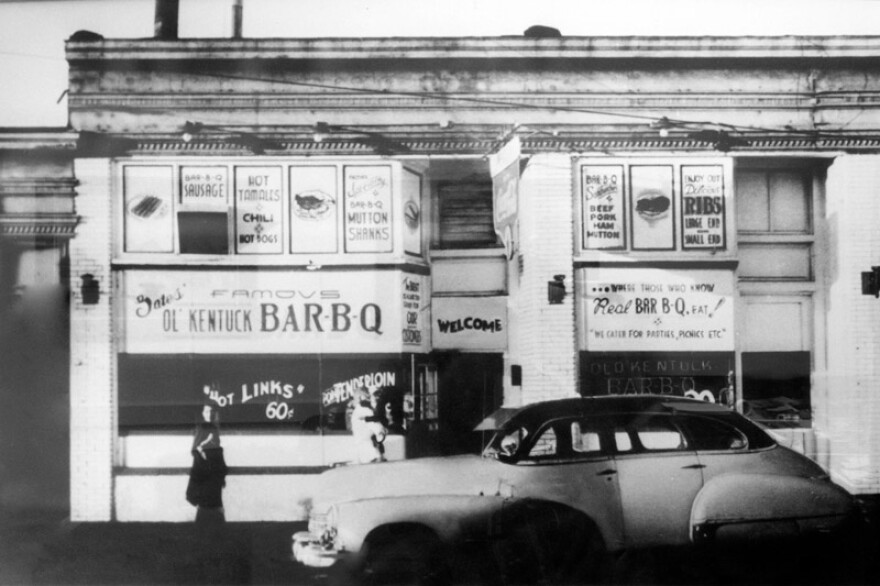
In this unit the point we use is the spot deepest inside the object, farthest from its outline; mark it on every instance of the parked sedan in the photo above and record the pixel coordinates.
(562, 483)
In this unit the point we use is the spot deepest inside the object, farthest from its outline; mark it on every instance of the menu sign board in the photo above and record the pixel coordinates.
(653, 220)
(368, 209)
(635, 310)
(314, 208)
(149, 205)
(602, 205)
(204, 187)
(258, 210)
(702, 207)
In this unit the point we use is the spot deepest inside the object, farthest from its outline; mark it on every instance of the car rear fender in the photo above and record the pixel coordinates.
(734, 507)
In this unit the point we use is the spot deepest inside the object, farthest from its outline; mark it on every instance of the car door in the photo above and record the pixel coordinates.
(569, 461)
(659, 476)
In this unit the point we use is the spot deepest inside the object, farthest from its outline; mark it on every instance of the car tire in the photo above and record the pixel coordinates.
(404, 556)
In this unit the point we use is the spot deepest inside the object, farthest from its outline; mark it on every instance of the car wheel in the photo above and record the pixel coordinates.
(404, 557)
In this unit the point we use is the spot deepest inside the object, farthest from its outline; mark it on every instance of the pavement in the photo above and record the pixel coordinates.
(45, 548)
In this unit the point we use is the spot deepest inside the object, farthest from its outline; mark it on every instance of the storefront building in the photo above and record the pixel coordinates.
(461, 224)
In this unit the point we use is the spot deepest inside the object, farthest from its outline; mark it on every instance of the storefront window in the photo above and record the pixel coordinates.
(776, 388)
(465, 211)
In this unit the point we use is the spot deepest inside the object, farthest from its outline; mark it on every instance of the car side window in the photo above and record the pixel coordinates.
(546, 445)
(585, 438)
(650, 433)
(706, 433)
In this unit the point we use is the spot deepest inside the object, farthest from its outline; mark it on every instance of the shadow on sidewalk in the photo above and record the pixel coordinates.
(44, 549)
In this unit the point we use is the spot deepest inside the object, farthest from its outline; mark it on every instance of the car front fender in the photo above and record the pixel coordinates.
(447, 516)
(738, 507)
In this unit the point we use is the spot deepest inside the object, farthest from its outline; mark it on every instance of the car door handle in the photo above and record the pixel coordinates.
(608, 472)
(693, 467)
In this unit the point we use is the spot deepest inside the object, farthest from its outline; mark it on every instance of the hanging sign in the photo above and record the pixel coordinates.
(602, 188)
(258, 210)
(702, 207)
(657, 310)
(368, 210)
(504, 168)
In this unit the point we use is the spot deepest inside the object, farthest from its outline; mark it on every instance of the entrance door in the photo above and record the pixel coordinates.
(659, 478)
(469, 388)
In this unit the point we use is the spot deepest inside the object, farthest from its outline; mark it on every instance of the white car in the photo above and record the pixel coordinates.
(564, 482)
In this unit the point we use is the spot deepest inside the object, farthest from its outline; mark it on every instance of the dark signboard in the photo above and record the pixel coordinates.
(708, 376)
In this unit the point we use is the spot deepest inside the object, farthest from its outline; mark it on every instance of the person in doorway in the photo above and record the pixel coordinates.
(207, 476)
(367, 429)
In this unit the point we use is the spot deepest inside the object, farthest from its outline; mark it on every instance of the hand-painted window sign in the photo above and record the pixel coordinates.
(702, 207)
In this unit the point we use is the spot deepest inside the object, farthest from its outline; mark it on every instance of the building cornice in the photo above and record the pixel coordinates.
(482, 48)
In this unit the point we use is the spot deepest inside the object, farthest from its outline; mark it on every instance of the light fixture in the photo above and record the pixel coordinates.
(90, 289)
(190, 129)
(556, 290)
(663, 125)
(871, 282)
(313, 266)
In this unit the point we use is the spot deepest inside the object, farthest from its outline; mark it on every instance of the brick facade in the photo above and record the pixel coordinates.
(546, 333)
(92, 359)
(852, 319)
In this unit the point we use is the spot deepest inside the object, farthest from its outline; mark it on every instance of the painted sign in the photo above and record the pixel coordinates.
(204, 188)
(258, 210)
(368, 210)
(656, 310)
(148, 208)
(267, 312)
(504, 168)
(602, 188)
(707, 376)
(651, 207)
(414, 293)
(702, 207)
(314, 209)
(469, 323)
(166, 389)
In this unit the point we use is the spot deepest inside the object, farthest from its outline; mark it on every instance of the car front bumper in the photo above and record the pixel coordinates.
(307, 549)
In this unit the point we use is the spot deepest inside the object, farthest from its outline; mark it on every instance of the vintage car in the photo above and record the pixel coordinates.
(563, 483)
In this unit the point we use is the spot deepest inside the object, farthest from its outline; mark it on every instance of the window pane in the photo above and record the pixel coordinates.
(752, 207)
(775, 261)
(789, 203)
(622, 440)
(776, 388)
(466, 219)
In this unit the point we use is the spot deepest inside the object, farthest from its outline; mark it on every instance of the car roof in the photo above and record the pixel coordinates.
(606, 404)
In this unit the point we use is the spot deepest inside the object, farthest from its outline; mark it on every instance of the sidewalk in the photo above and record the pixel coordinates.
(42, 548)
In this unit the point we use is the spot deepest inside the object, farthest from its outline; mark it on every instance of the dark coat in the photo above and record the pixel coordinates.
(207, 477)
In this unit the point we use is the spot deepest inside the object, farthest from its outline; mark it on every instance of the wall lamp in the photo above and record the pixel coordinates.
(871, 282)
(380, 143)
(90, 290)
(556, 290)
